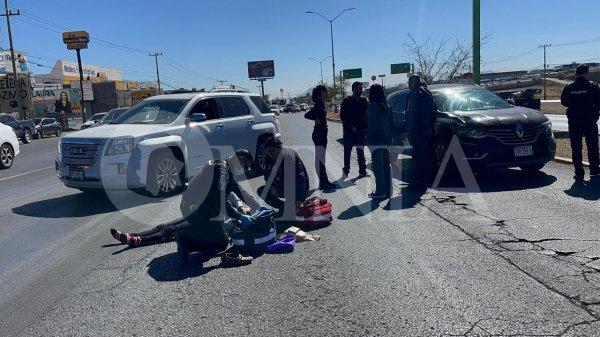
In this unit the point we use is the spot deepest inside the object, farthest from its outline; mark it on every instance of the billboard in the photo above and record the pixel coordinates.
(14, 94)
(6, 62)
(56, 100)
(261, 69)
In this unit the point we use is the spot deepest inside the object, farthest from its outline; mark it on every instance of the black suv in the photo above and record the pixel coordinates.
(492, 133)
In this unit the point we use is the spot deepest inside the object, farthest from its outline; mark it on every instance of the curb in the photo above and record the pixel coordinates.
(568, 161)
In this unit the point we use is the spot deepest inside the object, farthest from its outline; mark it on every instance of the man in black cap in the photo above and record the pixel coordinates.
(353, 114)
(286, 180)
(582, 99)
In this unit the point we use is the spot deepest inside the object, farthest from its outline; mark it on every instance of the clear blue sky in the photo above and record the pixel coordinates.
(215, 39)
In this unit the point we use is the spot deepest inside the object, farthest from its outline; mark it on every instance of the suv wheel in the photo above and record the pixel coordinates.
(532, 169)
(27, 137)
(7, 156)
(164, 174)
(260, 159)
(39, 134)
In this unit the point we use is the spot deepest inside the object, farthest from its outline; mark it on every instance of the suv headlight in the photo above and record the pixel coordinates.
(120, 146)
(465, 131)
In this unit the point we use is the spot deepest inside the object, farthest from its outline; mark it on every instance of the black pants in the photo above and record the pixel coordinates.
(161, 233)
(422, 155)
(283, 205)
(576, 134)
(351, 140)
(319, 137)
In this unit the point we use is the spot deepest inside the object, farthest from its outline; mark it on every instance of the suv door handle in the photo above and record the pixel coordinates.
(250, 122)
(220, 126)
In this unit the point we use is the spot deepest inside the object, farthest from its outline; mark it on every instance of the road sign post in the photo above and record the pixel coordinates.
(78, 40)
(400, 68)
(352, 73)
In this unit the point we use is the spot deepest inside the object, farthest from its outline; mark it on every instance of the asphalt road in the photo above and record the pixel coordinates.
(509, 255)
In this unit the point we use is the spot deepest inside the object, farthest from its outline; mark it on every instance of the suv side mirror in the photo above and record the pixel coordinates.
(196, 118)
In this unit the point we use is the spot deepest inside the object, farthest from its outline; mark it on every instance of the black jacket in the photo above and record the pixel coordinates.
(421, 112)
(317, 112)
(353, 113)
(582, 99)
(287, 161)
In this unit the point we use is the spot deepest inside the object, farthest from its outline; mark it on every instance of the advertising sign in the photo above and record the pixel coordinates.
(261, 69)
(6, 62)
(14, 93)
(88, 92)
(76, 40)
(400, 68)
(352, 73)
(55, 100)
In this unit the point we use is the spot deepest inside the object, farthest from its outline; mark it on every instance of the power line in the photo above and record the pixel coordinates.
(525, 53)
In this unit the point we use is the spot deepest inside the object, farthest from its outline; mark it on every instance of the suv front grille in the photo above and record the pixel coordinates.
(79, 154)
(516, 134)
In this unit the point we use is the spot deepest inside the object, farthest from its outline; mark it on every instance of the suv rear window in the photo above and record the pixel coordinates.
(233, 107)
(261, 105)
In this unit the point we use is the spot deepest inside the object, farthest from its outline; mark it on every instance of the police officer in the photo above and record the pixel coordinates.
(582, 99)
(421, 112)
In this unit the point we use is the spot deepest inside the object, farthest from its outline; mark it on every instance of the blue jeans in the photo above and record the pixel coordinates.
(380, 158)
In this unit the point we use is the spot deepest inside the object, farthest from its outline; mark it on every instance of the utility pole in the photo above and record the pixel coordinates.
(156, 55)
(331, 34)
(320, 65)
(8, 13)
(476, 41)
(545, 73)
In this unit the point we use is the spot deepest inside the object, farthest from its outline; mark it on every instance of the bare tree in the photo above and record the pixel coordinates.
(440, 61)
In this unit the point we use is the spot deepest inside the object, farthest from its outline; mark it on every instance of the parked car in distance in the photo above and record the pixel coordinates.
(526, 98)
(23, 129)
(47, 127)
(164, 140)
(93, 120)
(275, 109)
(303, 106)
(290, 108)
(110, 116)
(9, 146)
(491, 132)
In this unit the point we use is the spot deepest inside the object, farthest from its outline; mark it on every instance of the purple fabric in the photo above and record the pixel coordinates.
(284, 245)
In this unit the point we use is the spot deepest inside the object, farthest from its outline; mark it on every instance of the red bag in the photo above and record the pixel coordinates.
(314, 212)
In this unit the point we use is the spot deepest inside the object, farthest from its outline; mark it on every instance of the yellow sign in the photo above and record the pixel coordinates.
(77, 45)
(76, 36)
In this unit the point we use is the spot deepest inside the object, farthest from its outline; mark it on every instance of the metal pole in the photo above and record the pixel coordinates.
(321, 65)
(156, 55)
(476, 41)
(8, 13)
(262, 88)
(332, 54)
(84, 119)
(545, 71)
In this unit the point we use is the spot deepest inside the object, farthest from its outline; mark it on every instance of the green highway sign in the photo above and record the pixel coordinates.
(400, 68)
(352, 73)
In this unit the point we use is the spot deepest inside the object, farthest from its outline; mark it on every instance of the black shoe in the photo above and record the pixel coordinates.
(578, 178)
(375, 195)
(363, 175)
(235, 260)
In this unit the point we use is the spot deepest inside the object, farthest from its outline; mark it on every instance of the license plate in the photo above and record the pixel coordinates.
(76, 174)
(523, 151)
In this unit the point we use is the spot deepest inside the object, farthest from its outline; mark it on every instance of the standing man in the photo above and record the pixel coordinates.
(354, 121)
(421, 114)
(582, 99)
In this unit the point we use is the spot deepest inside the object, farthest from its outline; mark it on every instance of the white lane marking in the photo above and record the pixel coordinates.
(22, 174)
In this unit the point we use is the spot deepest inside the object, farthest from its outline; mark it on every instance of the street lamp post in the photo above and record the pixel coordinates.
(331, 33)
(320, 65)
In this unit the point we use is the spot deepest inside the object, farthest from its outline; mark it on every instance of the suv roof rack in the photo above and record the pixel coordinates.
(229, 88)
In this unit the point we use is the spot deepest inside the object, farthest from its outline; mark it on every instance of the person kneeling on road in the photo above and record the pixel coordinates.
(286, 180)
(205, 209)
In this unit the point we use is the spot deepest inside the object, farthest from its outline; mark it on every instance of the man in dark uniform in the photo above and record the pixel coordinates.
(582, 99)
(286, 180)
(421, 114)
(354, 121)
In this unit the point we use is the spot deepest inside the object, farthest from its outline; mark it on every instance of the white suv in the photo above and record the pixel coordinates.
(164, 140)
(9, 146)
